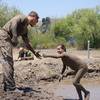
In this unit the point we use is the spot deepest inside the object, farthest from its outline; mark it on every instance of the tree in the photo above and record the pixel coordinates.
(83, 25)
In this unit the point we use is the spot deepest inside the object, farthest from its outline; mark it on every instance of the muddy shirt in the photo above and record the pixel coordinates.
(17, 26)
(70, 60)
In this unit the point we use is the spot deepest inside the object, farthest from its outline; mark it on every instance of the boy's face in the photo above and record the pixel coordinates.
(59, 50)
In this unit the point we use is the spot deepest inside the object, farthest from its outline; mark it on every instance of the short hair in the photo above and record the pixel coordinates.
(63, 47)
(33, 14)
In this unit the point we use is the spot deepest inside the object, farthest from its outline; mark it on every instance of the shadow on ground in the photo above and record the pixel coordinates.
(28, 89)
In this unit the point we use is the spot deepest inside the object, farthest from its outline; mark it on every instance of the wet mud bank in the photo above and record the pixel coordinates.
(39, 80)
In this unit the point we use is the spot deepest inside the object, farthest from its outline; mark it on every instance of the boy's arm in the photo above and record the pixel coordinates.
(63, 69)
(53, 56)
(62, 72)
(71, 72)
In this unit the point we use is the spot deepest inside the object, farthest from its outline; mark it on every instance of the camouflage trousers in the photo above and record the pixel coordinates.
(6, 59)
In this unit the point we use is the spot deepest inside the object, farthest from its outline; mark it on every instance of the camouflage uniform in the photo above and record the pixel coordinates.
(17, 26)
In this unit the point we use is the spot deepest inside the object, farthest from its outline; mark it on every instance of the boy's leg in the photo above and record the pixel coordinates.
(79, 93)
(87, 95)
(76, 81)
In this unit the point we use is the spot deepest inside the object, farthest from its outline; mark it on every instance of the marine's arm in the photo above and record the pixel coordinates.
(14, 27)
(29, 46)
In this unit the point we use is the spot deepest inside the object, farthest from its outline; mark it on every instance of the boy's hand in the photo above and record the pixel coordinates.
(44, 55)
(61, 77)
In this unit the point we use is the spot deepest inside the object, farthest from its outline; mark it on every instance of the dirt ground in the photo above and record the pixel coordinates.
(38, 78)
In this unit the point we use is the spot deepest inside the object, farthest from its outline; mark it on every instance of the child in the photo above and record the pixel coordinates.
(79, 68)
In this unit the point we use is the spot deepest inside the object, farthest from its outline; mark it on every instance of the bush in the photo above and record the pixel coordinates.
(45, 40)
(83, 25)
(6, 13)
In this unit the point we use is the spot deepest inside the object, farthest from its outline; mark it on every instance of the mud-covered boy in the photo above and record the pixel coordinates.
(79, 68)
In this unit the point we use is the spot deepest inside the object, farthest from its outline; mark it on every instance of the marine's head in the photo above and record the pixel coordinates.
(33, 18)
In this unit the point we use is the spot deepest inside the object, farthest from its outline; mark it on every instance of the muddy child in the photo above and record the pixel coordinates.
(79, 68)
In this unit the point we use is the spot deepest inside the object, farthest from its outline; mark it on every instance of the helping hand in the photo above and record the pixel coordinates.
(61, 77)
(37, 55)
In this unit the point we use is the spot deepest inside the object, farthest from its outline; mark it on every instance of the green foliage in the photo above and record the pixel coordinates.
(83, 25)
(47, 40)
(6, 13)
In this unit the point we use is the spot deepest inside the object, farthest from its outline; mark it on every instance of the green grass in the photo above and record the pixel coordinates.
(46, 40)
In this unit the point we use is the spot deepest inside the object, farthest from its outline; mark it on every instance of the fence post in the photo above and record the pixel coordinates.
(88, 49)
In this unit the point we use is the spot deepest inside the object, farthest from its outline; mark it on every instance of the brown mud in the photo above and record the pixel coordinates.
(39, 78)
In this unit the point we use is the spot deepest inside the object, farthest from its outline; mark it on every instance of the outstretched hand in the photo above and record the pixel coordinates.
(37, 54)
(61, 77)
(44, 55)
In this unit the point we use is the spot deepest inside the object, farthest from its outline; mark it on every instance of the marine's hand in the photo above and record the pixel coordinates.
(37, 55)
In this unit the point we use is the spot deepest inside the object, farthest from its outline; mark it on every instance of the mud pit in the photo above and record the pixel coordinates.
(38, 79)
(68, 92)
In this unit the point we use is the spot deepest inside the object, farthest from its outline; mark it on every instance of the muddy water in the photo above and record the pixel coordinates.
(68, 92)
